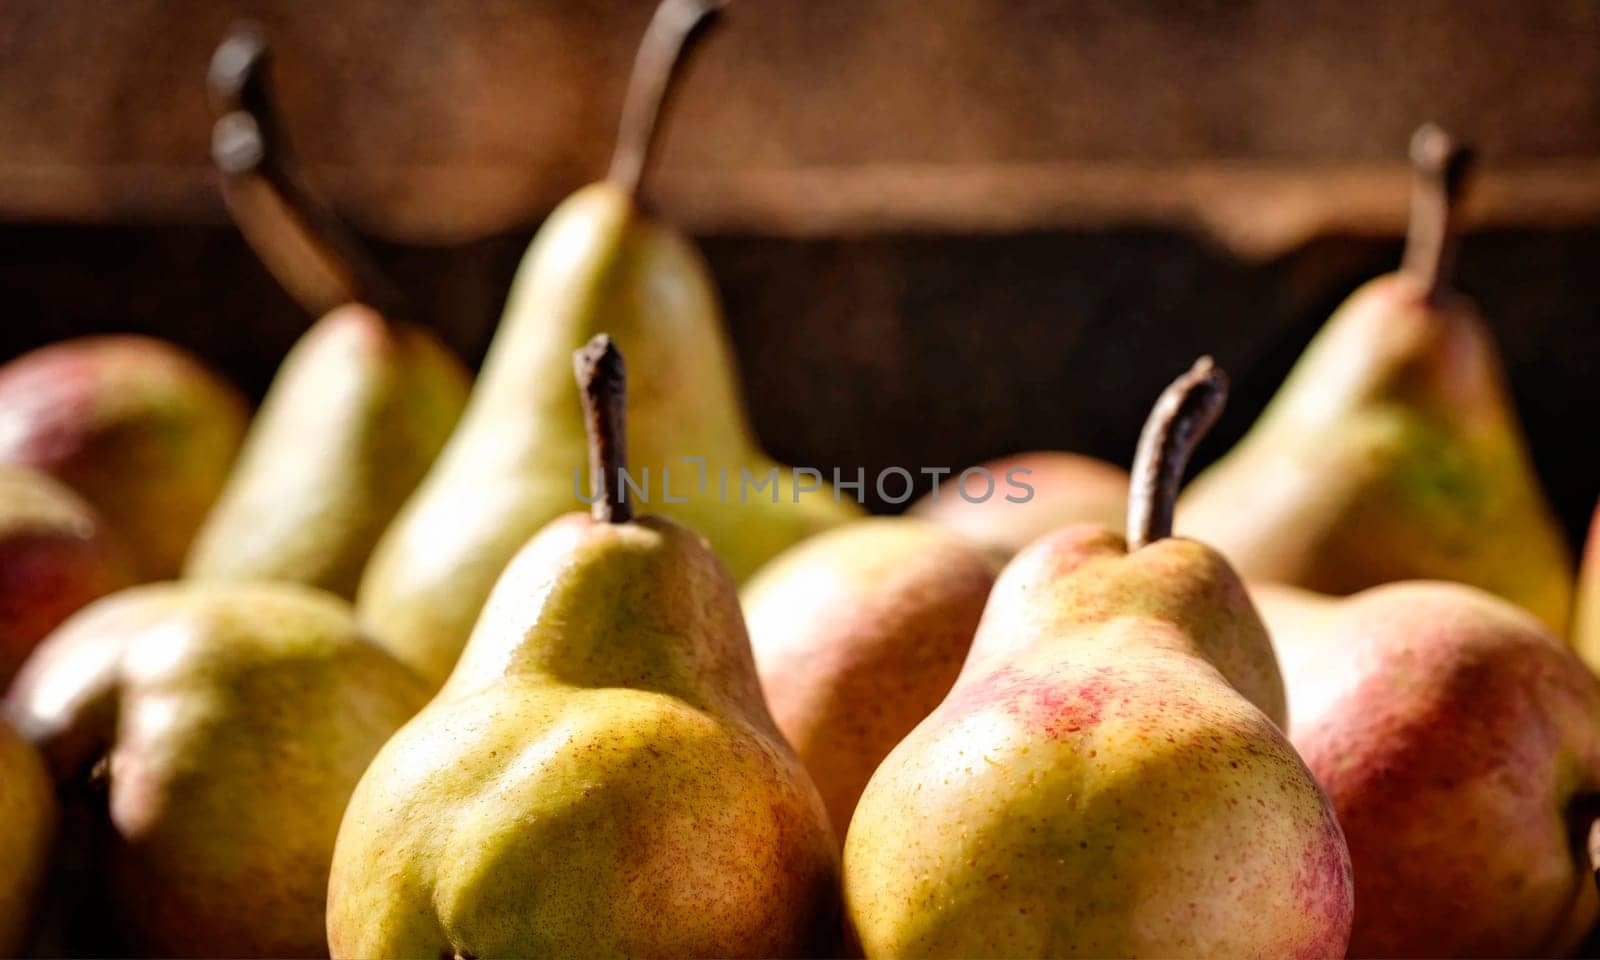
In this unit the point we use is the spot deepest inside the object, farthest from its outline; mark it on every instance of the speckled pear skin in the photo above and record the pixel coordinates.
(1105, 779)
(28, 816)
(1586, 611)
(597, 265)
(858, 633)
(235, 720)
(136, 426)
(599, 777)
(355, 416)
(1460, 742)
(1068, 489)
(1392, 452)
(56, 555)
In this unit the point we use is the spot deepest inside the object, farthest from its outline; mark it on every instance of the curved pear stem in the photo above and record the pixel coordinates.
(603, 385)
(305, 245)
(662, 53)
(1441, 166)
(1182, 415)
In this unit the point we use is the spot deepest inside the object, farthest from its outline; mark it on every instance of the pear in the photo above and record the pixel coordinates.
(1392, 451)
(858, 634)
(1064, 489)
(138, 427)
(600, 775)
(1586, 612)
(56, 555)
(27, 827)
(1107, 777)
(600, 263)
(1459, 740)
(360, 406)
(209, 736)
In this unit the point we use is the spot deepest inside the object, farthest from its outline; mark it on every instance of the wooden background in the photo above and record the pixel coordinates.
(944, 229)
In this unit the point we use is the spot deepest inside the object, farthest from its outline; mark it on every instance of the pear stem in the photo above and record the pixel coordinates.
(603, 385)
(662, 53)
(1441, 167)
(1181, 416)
(299, 238)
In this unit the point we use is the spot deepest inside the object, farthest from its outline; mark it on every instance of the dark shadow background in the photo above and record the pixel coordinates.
(899, 350)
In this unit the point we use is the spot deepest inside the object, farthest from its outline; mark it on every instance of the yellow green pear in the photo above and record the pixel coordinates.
(599, 264)
(1107, 777)
(361, 405)
(1392, 451)
(600, 775)
(207, 737)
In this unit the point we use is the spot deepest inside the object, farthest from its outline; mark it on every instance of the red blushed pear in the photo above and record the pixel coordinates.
(1065, 489)
(136, 426)
(56, 555)
(1107, 777)
(1393, 450)
(1586, 614)
(1459, 740)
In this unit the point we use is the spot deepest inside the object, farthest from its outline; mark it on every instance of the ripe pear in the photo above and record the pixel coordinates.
(1586, 612)
(213, 732)
(1066, 489)
(1392, 451)
(1107, 777)
(136, 426)
(600, 263)
(858, 634)
(27, 827)
(56, 555)
(1459, 740)
(360, 406)
(600, 775)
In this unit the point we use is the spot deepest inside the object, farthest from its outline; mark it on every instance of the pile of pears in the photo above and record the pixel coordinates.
(410, 663)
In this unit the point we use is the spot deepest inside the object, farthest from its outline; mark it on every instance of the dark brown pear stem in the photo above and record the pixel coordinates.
(1182, 415)
(305, 245)
(603, 385)
(1441, 166)
(664, 50)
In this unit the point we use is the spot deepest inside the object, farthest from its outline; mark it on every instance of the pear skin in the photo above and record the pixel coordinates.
(1107, 776)
(28, 816)
(600, 775)
(351, 423)
(858, 634)
(1460, 743)
(56, 555)
(136, 426)
(214, 732)
(1067, 489)
(1586, 612)
(599, 264)
(1391, 452)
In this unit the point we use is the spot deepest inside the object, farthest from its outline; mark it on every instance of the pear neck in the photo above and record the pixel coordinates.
(641, 606)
